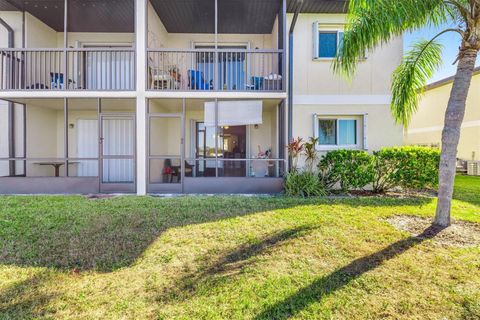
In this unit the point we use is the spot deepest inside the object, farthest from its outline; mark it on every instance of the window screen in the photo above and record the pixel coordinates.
(347, 132)
(327, 131)
(327, 44)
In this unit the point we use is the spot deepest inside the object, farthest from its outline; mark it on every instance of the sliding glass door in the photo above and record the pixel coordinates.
(231, 67)
(109, 70)
(232, 150)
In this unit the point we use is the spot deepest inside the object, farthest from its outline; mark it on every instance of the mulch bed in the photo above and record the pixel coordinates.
(459, 234)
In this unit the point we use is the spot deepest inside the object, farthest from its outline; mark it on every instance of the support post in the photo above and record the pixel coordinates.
(65, 134)
(297, 11)
(141, 102)
(65, 44)
(216, 83)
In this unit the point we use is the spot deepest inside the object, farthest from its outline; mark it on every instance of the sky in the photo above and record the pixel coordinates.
(450, 41)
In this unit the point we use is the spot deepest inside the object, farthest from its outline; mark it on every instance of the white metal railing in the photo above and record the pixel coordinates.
(110, 69)
(219, 70)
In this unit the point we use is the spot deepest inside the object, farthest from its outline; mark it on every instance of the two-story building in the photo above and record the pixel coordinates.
(427, 124)
(193, 96)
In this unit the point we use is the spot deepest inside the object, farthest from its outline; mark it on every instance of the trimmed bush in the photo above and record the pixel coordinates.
(406, 167)
(303, 184)
(350, 169)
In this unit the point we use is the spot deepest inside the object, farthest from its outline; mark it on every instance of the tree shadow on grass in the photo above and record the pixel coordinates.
(324, 286)
(25, 299)
(105, 235)
(229, 264)
(115, 235)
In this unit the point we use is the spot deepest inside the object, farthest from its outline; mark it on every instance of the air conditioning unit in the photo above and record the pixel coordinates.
(473, 168)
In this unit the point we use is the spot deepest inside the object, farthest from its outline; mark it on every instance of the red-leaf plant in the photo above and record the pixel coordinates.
(295, 149)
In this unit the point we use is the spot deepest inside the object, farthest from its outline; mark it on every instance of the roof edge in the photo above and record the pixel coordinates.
(447, 80)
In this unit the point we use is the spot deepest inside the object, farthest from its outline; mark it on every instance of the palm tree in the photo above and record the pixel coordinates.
(373, 22)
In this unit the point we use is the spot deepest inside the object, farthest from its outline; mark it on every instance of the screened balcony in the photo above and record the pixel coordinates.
(221, 70)
(87, 46)
(208, 45)
(71, 69)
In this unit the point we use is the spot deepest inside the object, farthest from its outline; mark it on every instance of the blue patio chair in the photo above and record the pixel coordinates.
(257, 83)
(56, 80)
(196, 81)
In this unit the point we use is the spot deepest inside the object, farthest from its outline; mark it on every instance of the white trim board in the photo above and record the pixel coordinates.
(210, 94)
(466, 124)
(342, 99)
(66, 94)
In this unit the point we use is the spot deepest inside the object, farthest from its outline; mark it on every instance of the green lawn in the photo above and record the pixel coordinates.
(232, 258)
(467, 188)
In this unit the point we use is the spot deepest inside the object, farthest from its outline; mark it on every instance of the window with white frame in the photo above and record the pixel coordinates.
(337, 132)
(326, 42)
(341, 131)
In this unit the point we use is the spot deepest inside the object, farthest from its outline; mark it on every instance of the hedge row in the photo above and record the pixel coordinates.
(387, 169)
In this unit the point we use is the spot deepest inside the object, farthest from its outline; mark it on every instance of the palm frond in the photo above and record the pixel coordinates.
(373, 22)
(411, 76)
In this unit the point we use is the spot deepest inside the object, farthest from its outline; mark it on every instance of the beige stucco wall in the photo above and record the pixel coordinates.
(78, 39)
(14, 19)
(42, 138)
(315, 81)
(157, 34)
(38, 34)
(427, 123)
(316, 76)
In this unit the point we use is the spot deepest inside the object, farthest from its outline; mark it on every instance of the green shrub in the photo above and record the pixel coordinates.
(407, 167)
(351, 169)
(303, 184)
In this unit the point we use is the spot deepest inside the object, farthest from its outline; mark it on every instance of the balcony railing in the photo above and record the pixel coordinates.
(71, 69)
(218, 70)
(113, 69)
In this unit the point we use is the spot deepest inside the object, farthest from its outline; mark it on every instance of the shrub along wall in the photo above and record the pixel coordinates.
(387, 169)
(406, 167)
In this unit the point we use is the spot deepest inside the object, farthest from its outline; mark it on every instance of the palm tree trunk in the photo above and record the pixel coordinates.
(451, 135)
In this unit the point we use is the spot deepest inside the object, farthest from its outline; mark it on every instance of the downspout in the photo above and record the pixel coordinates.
(298, 8)
(11, 129)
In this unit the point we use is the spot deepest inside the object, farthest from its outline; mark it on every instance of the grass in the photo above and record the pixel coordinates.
(232, 258)
(467, 188)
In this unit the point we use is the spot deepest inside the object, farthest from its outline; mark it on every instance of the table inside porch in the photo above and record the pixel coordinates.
(55, 164)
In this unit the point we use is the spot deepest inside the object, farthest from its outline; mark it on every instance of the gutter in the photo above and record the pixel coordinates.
(298, 8)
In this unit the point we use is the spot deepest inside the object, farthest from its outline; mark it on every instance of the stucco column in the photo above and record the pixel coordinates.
(141, 105)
